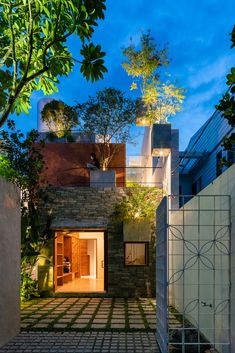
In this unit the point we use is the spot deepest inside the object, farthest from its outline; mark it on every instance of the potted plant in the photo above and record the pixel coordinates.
(109, 115)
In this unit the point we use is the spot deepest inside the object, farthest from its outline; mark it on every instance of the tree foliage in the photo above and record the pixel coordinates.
(141, 203)
(227, 105)
(59, 117)
(160, 98)
(21, 162)
(109, 115)
(34, 51)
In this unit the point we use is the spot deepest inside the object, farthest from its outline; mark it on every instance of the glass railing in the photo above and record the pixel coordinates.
(117, 176)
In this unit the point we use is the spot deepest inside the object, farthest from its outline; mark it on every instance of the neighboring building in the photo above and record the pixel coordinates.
(200, 163)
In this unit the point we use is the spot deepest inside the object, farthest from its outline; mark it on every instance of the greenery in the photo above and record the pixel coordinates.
(34, 51)
(160, 98)
(28, 288)
(21, 162)
(60, 118)
(227, 106)
(109, 115)
(141, 203)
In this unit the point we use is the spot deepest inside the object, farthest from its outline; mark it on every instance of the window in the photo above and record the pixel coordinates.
(136, 254)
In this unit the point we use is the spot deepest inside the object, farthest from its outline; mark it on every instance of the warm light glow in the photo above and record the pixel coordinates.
(161, 153)
(141, 121)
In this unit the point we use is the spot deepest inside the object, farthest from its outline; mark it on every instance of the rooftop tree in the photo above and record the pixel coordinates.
(160, 98)
(109, 115)
(34, 52)
(60, 118)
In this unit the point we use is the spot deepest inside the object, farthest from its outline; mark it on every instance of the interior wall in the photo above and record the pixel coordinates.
(91, 251)
(99, 237)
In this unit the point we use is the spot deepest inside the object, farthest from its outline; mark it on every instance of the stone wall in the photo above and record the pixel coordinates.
(9, 261)
(79, 208)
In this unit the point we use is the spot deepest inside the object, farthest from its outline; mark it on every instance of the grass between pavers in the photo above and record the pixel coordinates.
(87, 328)
(94, 315)
(141, 310)
(127, 324)
(49, 311)
(54, 322)
(28, 315)
(108, 324)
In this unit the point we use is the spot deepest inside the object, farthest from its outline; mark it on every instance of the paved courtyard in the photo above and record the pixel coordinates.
(86, 325)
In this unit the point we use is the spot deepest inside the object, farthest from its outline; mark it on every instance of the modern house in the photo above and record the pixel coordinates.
(93, 251)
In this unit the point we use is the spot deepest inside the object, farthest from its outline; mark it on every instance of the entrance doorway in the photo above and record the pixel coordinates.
(79, 261)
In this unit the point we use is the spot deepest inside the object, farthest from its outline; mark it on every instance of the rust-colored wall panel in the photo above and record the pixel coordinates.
(65, 163)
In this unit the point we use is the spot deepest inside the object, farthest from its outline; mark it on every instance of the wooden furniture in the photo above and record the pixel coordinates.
(66, 247)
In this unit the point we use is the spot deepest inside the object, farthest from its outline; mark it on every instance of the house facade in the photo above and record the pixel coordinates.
(92, 251)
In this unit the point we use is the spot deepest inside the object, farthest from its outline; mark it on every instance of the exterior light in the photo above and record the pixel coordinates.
(160, 153)
(141, 121)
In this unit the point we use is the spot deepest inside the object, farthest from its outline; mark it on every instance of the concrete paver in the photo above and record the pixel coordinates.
(93, 325)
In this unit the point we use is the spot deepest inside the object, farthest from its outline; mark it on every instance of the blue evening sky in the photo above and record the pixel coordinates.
(197, 34)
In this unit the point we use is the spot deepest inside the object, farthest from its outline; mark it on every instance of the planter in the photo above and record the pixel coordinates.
(102, 178)
(161, 140)
(137, 230)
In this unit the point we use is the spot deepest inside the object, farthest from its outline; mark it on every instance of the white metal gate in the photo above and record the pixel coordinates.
(193, 275)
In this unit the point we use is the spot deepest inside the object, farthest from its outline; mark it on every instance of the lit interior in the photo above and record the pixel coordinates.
(79, 261)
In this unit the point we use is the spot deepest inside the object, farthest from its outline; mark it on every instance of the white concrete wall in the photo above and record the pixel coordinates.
(99, 237)
(91, 251)
(9, 261)
(186, 224)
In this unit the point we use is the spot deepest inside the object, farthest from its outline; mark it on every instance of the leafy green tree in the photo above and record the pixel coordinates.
(34, 50)
(160, 99)
(21, 162)
(227, 106)
(59, 117)
(109, 115)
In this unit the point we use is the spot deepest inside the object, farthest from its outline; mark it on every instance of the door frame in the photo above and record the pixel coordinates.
(97, 230)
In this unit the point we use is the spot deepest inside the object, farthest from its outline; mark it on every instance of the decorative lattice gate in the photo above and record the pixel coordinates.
(193, 275)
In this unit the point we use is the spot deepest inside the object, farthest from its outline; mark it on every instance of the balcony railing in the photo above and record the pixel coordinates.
(124, 177)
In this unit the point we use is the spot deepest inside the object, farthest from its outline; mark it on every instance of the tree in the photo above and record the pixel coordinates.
(59, 117)
(159, 99)
(109, 115)
(21, 162)
(227, 106)
(34, 50)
